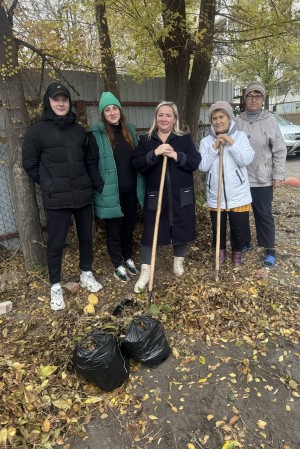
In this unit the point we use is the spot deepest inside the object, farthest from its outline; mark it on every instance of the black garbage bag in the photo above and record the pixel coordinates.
(146, 342)
(98, 358)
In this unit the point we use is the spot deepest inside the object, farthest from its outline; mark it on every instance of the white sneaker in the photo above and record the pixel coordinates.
(143, 279)
(178, 266)
(57, 298)
(87, 280)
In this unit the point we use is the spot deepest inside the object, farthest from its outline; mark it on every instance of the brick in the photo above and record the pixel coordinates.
(71, 287)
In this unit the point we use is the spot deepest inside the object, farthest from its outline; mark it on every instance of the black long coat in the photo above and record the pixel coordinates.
(177, 220)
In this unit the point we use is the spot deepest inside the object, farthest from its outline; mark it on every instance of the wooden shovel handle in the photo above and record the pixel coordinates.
(218, 230)
(157, 218)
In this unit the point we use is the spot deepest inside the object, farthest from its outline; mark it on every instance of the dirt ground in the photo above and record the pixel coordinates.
(234, 371)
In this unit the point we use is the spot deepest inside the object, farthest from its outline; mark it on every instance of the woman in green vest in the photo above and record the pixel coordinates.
(113, 141)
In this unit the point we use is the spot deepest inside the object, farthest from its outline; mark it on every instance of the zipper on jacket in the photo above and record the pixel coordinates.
(239, 176)
(224, 188)
(209, 180)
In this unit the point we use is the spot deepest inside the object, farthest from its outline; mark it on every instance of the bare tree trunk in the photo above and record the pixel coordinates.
(107, 57)
(16, 122)
(183, 87)
(201, 64)
(176, 53)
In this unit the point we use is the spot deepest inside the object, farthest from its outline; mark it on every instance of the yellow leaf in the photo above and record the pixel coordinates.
(209, 417)
(93, 299)
(191, 446)
(261, 424)
(203, 380)
(46, 371)
(153, 417)
(293, 384)
(46, 425)
(93, 400)
(202, 359)
(288, 408)
(175, 352)
(61, 404)
(3, 435)
(145, 397)
(205, 439)
(89, 308)
(11, 431)
(220, 423)
(231, 444)
(280, 358)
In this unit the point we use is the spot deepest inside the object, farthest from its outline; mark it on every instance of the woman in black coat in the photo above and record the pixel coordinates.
(177, 220)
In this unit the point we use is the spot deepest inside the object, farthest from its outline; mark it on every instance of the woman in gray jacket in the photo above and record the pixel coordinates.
(267, 169)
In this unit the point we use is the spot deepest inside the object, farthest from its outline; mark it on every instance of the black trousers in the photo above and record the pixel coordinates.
(119, 231)
(239, 228)
(58, 222)
(262, 198)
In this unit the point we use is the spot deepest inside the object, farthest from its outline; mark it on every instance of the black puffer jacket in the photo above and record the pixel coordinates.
(55, 157)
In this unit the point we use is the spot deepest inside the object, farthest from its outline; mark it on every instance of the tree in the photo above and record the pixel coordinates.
(107, 57)
(16, 122)
(263, 43)
(162, 35)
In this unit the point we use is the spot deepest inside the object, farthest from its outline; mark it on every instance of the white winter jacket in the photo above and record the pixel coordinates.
(235, 185)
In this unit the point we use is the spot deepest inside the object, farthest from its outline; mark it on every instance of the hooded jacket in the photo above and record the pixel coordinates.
(55, 157)
(269, 146)
(235, 184)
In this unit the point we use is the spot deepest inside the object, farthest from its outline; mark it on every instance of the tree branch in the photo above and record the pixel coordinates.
(46, 58)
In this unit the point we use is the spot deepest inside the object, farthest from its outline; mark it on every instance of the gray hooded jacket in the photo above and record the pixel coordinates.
(270, 150)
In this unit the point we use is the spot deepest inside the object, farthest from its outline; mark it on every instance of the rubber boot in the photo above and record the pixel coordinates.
(237, 258)
(222, 256)
(143, 280)
(178, 266)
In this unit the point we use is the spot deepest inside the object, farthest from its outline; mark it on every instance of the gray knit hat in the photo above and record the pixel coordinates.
(255, 85)
(224, 106)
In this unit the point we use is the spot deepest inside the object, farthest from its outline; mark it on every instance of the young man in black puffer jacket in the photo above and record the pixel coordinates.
(55, 157)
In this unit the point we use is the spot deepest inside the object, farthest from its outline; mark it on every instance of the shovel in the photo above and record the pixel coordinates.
(154, 244)
(217, 267)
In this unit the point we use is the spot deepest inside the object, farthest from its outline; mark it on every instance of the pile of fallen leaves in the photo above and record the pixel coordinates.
(43, 402)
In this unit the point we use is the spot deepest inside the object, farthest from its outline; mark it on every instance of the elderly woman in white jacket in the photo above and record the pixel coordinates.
(236, 196)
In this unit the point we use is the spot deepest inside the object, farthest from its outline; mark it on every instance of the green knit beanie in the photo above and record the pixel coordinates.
(107, 98)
